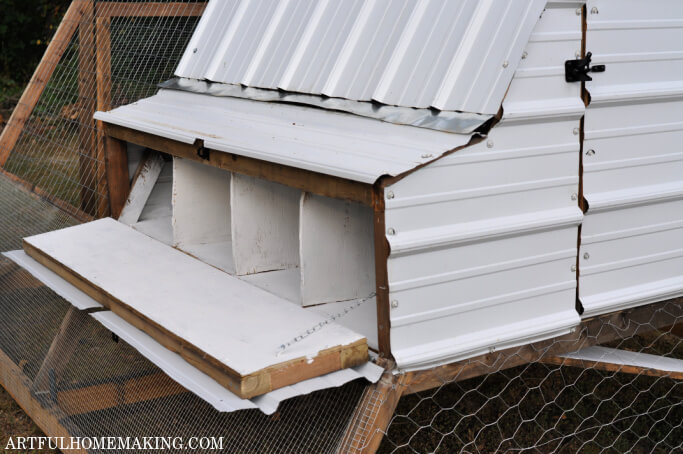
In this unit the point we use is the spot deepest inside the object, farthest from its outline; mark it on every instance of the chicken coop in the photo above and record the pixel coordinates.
(284, 206)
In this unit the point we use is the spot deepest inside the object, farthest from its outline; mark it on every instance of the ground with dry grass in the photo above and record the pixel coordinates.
(15, 423)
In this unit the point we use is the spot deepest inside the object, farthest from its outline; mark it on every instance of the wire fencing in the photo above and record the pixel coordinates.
(520, 400)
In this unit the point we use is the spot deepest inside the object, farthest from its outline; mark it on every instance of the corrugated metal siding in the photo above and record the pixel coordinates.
(484, 240)
(632, 238)
(447, 54)
(332, 143)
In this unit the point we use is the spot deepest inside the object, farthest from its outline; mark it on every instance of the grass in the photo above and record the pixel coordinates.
(15, 423)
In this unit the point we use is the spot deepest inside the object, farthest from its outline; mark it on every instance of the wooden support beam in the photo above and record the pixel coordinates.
(316, 183)
(372, 416)
(104, 103)
(150, 9)
(118, 182)
(18, 386)
(102, 396)
(62, 348)
(381, 274)
(594, 331)
(86, 100)
(145, 178)
(40, 194)
(41, 76)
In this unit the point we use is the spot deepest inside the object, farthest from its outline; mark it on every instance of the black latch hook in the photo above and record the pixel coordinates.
(577, 70)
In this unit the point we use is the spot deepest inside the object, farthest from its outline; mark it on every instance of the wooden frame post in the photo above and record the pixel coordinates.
(103, 88)
(118, 182)
(29, 99)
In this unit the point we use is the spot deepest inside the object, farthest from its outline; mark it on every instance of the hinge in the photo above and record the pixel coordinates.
(204, 153)
(577, 70)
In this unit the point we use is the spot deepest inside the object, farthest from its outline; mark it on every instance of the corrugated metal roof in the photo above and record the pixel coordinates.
(332, 143)
(454, 55)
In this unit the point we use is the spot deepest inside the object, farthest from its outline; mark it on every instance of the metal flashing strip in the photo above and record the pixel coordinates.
(604, 201)
(434, 354)
(600, 354)
(208, 389)
(58, 285)
(447, 121)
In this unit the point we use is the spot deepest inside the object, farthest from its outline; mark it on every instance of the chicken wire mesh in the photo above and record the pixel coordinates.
(518, 400)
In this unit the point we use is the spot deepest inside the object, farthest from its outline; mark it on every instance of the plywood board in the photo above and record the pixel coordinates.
(227, 328)
(144, 180)
(265, 225)
(336, 250)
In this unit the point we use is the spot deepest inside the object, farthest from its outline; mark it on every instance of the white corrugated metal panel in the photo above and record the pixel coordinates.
(332, 143)
(483, 243)
(632, 238)
(447, 54)
(208, 389)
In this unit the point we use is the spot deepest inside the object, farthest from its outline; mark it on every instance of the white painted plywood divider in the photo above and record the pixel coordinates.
(201, 212)
(336, 250)
(265, 225)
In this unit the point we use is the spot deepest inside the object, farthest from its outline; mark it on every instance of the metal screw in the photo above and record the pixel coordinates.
(525, 54)
(391, 231)
(578, 11)
(390, 195)
(576, 131)
(194, 51)
(577, 54)
(574, 196)
(573, 268)
(590, 152)
(506, 64)
(594, 10)
(586, 256)
(489, 143)
(394, 304)
(425, 156)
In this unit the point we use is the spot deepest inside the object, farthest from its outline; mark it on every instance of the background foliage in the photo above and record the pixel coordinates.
(26, 26)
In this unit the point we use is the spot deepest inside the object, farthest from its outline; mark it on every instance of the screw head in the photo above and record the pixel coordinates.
(576, 131)
(394, 304)
(194, 51)
(427, 155)
(391, 231)
(594, 10)
(506, 64)
(574, 196)
(573, 268)
(577, 54)
(525, 54)
(578, 11)
(590, 152)
(489, 143)
(390, 195)
(586, 256)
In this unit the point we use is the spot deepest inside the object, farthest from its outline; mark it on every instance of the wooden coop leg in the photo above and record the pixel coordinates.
(372, 416)
(104, 103)
(118, 183)
(61, 350)
(41, 76)
(18, 386)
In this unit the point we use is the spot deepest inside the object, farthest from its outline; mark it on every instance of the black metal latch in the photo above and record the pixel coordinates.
(577, 70)
(204, 153)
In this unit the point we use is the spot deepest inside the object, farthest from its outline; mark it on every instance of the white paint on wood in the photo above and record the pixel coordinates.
(230, 320)
(336, 250)
(143, 184)
(361, 319)
(265, 225)
(155, 219)
(283, 283)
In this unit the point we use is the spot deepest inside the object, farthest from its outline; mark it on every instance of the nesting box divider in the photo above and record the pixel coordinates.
(201, 213)
(336, 249)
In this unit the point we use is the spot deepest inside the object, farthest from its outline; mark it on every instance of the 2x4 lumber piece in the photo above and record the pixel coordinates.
(594, 331)
(18, 386)
(305, 180)
(265, 367)
(41, 76)
(150, 9)
(382, 251)
(144, 180)
(118, 182)
(104, 103)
